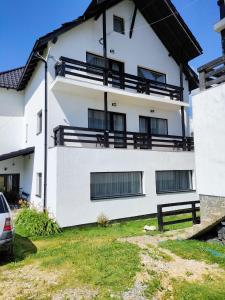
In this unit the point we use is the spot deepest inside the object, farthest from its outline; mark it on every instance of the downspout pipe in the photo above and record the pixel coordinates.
(106, 67)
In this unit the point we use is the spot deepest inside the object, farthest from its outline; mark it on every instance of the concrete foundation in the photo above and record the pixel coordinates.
(212, 207)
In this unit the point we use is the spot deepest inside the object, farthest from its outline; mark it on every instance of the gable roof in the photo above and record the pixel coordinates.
(10, 79)
(161, 15)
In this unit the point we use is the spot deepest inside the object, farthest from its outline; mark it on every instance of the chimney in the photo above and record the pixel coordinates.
(220, 26)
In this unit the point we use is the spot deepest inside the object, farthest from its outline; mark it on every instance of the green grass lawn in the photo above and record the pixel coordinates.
(211, 288)
(209, 252)
(91, 256)
(88, 257)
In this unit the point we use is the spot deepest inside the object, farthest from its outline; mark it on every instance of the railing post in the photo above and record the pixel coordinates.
(184, 144)
(135, 140)
(160, 218)
(194, 216)
(147, 91)
(189, 142)
(202, 81)
(56, 137)
(149, 141)
(106, 139)
(61, 136)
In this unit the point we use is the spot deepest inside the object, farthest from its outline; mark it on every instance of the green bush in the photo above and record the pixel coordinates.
(36, 223)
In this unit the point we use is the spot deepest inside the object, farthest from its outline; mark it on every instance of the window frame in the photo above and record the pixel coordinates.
(120, 19)
(142, 194)
(153, 71)
(39, 122)
(149, 124)
(191, 183)
(39, 178)
(110, 114)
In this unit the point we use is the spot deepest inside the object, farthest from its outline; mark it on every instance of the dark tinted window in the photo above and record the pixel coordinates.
(3, 207)
(173, 181)
(112, 185)
(151, 75)
(118, 25)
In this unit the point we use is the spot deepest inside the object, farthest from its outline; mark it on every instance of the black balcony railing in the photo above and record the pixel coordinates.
(212, 73)
(68, 135)
(116, 79)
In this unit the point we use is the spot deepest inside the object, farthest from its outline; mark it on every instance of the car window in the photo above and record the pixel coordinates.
(3, 206)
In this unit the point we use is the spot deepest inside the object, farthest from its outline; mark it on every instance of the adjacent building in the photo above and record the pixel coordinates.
(209, 131)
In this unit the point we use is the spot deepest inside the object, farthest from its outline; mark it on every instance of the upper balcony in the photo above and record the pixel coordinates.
(96, 79)
(212, 73)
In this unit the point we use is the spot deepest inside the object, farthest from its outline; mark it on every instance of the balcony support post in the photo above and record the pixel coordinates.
(182, 108)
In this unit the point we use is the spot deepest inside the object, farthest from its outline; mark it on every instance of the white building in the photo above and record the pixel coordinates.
(209, 130)
(117, 121)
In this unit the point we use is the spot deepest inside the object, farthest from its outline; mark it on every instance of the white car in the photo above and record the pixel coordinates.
(6, 226)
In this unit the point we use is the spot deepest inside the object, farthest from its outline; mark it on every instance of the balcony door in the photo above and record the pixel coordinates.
(116, 122)
(155, 126)
(117, 78)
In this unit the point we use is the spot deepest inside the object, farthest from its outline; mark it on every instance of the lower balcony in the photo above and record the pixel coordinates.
(92, 138)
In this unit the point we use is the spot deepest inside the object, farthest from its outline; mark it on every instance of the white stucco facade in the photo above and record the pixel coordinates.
(70, 182)
(69, 168)
(209, 132)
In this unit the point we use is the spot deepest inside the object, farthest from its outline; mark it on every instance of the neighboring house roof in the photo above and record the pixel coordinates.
(161, 15)
(14, 154)
(10, 79)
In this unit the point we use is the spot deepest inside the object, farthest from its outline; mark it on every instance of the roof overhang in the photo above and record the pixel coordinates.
(161, 15)
(18, 153)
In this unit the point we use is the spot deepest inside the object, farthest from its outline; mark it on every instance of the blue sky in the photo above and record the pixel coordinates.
(24, 21)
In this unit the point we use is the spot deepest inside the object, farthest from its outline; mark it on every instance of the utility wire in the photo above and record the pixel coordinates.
(155, 22)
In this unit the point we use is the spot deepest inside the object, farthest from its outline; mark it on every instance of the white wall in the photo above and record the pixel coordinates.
(72, 182)
(145, 49)
(72, 109)
(11, 120)
(209, 135)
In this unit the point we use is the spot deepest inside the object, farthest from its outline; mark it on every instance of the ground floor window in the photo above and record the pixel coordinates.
(39, 184)
(173, 181)
(118, 184)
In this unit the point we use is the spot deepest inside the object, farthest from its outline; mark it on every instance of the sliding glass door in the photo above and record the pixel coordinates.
(153, 125)
(116, 122)
(119, 124)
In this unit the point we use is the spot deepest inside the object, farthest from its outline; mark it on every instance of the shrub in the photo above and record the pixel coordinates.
(36, 223)
(102, 220)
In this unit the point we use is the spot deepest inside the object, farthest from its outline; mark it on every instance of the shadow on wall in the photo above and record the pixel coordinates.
(23, 247)
(28, 174)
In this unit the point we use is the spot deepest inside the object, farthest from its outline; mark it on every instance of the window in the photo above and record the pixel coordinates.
(118, 25)
(173, 181)
(151, 75)
(113, 185)
(95, 60)
(39, 122)
(39, 185)
(96, 119)
(153, 125)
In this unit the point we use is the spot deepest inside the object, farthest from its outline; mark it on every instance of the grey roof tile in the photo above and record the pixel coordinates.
(10, 79)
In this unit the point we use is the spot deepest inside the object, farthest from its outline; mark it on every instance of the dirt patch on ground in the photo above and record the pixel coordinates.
(166, 265)
(27, 282)
(76, 294)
